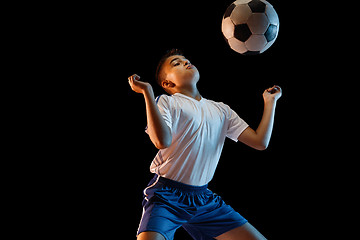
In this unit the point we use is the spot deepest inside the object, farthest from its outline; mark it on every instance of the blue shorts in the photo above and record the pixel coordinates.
(169, 205)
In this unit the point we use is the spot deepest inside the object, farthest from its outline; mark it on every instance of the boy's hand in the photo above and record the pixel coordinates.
(138, 86)
(272, 94)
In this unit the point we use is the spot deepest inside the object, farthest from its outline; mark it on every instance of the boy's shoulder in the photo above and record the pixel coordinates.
(162, 98)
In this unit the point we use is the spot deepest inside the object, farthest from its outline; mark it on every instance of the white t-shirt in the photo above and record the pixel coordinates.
(198, 131)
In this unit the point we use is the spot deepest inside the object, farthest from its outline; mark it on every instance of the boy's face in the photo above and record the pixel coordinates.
(180, 71)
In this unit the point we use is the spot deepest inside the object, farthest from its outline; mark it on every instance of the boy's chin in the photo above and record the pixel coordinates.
(191, 77)
(193, 80)
(195, 76)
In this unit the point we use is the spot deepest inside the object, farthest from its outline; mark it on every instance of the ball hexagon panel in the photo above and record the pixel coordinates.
(237, 45)
(256, 42)
(258, 23)
(240, 14)
(228, 28)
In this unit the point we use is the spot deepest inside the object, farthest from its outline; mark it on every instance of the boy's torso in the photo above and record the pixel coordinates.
(199, 129)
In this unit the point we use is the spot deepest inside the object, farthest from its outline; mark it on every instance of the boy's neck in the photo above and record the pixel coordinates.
(193, 93)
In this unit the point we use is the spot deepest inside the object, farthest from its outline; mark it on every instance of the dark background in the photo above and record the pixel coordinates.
(100, 154)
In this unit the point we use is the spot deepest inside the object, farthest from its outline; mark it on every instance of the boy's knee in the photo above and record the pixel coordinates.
(150, 236)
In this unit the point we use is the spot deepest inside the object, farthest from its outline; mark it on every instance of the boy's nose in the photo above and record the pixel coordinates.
(186, 62)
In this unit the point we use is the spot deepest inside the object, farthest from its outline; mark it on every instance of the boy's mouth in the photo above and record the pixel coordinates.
(190, 66)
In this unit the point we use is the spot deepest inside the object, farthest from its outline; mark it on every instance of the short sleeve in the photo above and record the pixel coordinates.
(236, 125)
(163, 104)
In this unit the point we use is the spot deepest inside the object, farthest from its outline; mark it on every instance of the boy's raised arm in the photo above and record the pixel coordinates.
(260, 138)
(159, 132)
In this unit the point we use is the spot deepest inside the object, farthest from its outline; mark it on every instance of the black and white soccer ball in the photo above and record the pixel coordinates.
(250, 26)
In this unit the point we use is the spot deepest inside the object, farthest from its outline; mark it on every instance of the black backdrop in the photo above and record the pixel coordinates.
(106, 156)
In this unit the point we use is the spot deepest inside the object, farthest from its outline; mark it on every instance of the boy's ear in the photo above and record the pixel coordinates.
(167, 84)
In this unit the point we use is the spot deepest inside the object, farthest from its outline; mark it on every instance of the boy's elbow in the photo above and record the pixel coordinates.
(161, 146)
(261, 146)
(165, 143)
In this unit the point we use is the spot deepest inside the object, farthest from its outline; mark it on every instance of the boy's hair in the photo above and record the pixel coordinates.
(158, 75)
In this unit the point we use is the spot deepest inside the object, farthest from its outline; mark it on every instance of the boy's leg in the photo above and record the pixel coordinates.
(163, 212)
(150, 236)
(244, 232)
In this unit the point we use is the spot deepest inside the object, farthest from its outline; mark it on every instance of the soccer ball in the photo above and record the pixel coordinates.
(250, 26)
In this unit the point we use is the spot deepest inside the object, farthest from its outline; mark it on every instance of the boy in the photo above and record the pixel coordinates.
(189, 132)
